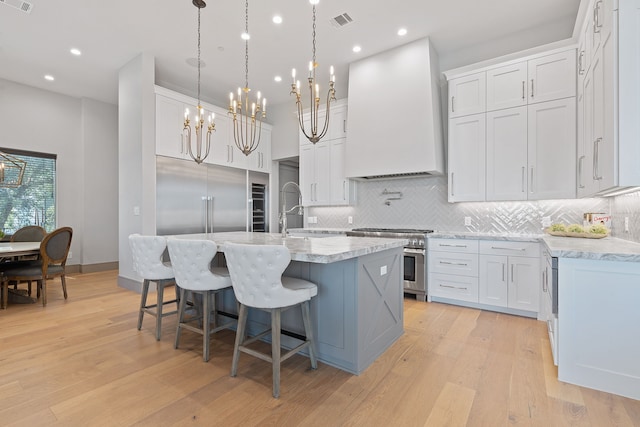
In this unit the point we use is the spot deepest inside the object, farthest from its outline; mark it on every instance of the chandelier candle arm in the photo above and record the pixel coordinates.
(314, 94)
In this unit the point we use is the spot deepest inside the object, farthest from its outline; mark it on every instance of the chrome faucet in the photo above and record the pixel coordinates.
(284, 211)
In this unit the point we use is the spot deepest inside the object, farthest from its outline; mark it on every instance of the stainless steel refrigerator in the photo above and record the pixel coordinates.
(192, 198)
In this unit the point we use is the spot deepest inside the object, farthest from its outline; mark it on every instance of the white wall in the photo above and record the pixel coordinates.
(284, 138)
(136, 159)
(42, 121)
(100, 136)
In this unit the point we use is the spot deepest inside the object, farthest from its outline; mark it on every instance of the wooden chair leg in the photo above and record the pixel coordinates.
(159, 305)
(29, 287)
(240, 332)
(275, 350)
(143, 302)
(5, 293)
(64, 286)
(308, 330)
(44, 291)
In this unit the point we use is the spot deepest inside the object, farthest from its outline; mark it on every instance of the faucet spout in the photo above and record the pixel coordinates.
(283, 203)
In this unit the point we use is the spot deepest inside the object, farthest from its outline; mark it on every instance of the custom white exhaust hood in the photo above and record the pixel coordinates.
(395, 126)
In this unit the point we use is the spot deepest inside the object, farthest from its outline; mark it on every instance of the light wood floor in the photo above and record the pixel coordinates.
(81, 362)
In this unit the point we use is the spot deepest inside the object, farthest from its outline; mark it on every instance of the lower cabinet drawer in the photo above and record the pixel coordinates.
(461, 288)
(462, 264)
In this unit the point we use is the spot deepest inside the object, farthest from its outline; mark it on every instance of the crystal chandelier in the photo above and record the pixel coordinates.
(198, 123)
(11, 170)
(314, 93)
(247, 127)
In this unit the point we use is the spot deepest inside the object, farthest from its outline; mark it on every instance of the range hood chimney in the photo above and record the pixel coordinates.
(395, 126)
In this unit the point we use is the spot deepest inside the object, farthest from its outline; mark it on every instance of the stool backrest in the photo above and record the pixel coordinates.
(256, 275)
(190, 260)
(147, 257)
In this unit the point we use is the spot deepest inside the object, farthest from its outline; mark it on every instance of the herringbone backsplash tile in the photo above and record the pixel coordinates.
(424, 205)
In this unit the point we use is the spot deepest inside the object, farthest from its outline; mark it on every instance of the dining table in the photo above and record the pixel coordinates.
(10, 250)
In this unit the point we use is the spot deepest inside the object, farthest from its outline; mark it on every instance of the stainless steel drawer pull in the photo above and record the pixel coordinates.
(451, 246)
(454, 263)
(453, 287)
(508, 249)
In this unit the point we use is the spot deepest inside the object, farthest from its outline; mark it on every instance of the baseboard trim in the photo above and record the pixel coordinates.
(132, 285)
(92, 268)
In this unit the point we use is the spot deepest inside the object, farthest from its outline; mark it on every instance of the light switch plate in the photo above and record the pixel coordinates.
(467, 220)
(383, 270)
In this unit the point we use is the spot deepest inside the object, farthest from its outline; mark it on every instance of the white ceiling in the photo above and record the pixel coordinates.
(111, 33)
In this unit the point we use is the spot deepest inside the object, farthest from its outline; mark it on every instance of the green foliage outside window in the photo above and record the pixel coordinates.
(34, 202)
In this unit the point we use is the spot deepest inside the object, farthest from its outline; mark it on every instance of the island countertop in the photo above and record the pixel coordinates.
(321, 250)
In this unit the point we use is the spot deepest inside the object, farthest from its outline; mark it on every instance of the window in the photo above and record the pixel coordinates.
(34, 202)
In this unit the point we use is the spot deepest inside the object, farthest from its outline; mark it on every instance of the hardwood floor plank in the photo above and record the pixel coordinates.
(82, 362)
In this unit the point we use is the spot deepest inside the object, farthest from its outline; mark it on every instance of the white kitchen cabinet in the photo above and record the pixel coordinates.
(467, 95)
(507, 86)
(260, 159)
(552, 76)
(453, 269)
(552, 150)
(598, 345)
(609, 147)
(467, 145)
(315, 173)
(323, 180)
(508, 278)
(341, 189)
(507, 154)
(169, 125)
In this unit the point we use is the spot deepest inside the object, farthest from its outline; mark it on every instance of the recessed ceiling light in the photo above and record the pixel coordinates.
(277, 78)
(357, 48)
(75, 51)
(402, 32)
(245, 36)
(49, 77)
(314, 1)
(277, 19)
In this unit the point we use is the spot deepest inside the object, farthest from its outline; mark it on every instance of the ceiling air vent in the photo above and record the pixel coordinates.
(341, 20)
(18, 4)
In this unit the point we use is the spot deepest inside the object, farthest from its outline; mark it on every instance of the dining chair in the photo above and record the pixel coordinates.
(29, 233)
(54, 250)
(191, 261)
(256, 275)
(148, 262)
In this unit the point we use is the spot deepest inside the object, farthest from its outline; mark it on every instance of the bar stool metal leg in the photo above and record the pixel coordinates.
(308, 330)
(275, 349)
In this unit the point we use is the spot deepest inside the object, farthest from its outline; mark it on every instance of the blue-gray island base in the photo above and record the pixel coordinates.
(358, 312)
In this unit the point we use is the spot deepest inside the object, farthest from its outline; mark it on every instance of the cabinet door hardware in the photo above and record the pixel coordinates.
(523, 178)
(452, 183)
(580, 63)
(462, 264)
(531, 187)
(451, 246)
(453, 98)
(511, 273)
(596, 17)
(453, 287)
(532, 88)
(596, 159)
(545, 285)
(580, 167)
(503, 266)
(523, 89)
(508, 249)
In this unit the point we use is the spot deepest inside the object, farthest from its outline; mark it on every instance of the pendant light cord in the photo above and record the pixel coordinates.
(246, 45)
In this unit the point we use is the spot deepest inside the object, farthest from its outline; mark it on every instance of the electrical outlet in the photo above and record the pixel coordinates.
(136, 210)
(546, 221)
(70, 255)
(383, 270)
(350, 219)
(626, 224)
(467, 220)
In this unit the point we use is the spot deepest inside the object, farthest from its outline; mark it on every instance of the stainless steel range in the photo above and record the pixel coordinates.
(415, 260)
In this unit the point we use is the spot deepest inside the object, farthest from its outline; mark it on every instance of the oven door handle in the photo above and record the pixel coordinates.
(414, 251)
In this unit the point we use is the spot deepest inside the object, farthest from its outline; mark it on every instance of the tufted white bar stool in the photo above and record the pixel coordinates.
(256, 274)
(147, 262)
(191, 260)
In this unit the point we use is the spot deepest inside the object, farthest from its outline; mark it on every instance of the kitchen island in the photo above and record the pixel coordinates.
(358, 312)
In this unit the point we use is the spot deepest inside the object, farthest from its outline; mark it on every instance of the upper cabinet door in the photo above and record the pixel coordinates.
(507, 87)
(467, 95)
(467, 144)
(169, 127)
(552, 77)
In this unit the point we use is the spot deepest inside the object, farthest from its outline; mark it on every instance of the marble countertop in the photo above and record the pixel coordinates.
(514, 237)
(331, 231)
(320, 250)
(606, 249)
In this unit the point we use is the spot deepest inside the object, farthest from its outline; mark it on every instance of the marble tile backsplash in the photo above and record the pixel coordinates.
(424, 205)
